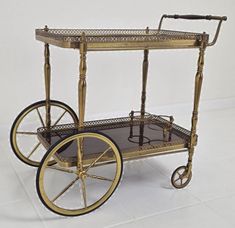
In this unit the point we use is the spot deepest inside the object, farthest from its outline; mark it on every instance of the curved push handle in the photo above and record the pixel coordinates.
(197, 17)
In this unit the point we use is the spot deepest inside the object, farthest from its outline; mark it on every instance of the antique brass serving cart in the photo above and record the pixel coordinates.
(89, 155)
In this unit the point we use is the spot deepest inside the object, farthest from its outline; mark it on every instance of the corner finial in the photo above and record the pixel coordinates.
(147, 30)
(46, 28)
(83, 37)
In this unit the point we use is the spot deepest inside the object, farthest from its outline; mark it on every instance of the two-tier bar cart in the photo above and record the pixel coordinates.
(76, 156)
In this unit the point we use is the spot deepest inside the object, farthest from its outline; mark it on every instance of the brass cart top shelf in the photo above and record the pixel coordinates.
(120, 39)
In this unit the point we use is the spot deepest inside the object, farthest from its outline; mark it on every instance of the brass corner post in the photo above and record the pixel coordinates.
(81, 97)
(144, 79)
(82, 80)
(143, 94)
(47, 76)
(197, 92)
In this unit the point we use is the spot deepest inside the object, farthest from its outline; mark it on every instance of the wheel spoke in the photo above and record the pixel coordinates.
(97, 159)
(177, 179)
(98, 177)
(80, 154)
(61, 169)
(26, 132)
(84, 192)
(34, 149)
(181, 181)
(58, 120)
(40, 117)
(64, 190)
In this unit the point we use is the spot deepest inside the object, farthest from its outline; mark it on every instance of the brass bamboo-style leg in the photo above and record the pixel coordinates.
(143, 94)
(144, 81)
(47, 76)
(47, 79)
(81, 95)
(197, 92)
(144, 78)
(82, 80)
(183, 174)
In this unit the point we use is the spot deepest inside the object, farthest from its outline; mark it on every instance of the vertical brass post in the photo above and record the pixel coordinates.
(144, 79)
(47, 76)
(81, 96)
(82, 80)
(131, 123)
(143, 94)
(170, 127)
(197, 92)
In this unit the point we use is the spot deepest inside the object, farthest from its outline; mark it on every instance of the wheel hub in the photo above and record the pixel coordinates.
(81, 174)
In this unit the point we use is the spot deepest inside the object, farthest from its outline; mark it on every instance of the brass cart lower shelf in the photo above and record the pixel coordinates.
(135, 137)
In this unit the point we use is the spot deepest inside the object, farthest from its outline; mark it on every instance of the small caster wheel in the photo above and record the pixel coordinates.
(180, 178)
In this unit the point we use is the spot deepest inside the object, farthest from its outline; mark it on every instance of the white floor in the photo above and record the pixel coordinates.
(145, 197)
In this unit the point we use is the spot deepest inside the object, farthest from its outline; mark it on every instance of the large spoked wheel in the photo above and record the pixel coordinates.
(23, 136)
(77, 190)
(180, 177)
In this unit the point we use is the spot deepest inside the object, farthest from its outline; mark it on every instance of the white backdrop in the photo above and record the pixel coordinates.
(113, 77)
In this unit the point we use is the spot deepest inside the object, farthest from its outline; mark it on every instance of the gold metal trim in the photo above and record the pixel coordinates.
(134, 153)
(119, 39)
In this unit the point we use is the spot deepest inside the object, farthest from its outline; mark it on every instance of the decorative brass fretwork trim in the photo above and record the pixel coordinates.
(134, 153)
(119, 39)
